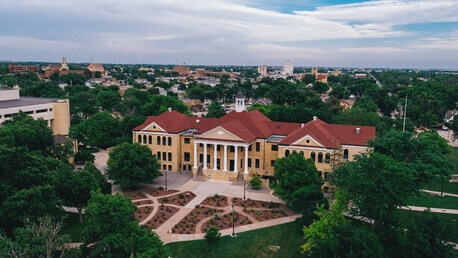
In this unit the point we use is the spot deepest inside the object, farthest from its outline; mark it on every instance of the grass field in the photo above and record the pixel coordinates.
(247, 244)
(73, 227)
(436, 185)
(434, 201)
(453, 157)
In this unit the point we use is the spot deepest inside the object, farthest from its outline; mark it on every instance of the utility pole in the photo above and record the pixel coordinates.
(405, 113)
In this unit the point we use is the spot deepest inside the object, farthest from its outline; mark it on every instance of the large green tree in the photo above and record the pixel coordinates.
(215, 110)
(113, 229)
(131, 164)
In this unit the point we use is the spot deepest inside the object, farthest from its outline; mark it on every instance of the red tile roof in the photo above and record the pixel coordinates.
(249, 126)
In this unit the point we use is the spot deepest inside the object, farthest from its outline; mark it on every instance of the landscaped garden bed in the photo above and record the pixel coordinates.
(156, 192)
(180, 199)
(256, 204)
(225, 221)
(162, 215)
(188, 224)
(143, 212)
(263, 215)
(134, 195)
(215, 201)
(143, 202)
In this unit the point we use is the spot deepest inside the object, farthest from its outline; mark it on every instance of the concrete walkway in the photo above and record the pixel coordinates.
(436, 210)
(439, 193)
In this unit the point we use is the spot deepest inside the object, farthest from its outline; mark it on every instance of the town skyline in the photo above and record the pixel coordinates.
(370, 34)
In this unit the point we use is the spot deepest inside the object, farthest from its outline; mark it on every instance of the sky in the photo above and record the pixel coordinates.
(325, 33)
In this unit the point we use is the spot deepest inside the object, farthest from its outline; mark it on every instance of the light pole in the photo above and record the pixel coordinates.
(233, 221)
(166, 181)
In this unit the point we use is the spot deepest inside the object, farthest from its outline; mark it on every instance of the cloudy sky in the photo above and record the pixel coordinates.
(349, 33)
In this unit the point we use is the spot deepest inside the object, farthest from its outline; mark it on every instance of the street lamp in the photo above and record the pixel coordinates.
(166, 181)
(233, 221)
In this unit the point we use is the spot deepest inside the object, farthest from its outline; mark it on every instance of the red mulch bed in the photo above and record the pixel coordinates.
(134, 195)
(257, 204)
(188, 224)
(143, 212)
(158, 192)
(178, 199)
(162, 215)
(143, 202)
(263, 215)
(215, 201)
(225, 221)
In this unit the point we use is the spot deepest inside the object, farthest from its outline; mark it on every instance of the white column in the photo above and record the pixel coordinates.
(235, 159)
(225, 157)
(246, 160)
(205, 156)
(195, 155)
(214, 156)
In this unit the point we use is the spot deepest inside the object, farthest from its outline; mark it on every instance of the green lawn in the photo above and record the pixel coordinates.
(453, 157)
(73, 227)
(247, 244)
(436, 185)
(434, 201)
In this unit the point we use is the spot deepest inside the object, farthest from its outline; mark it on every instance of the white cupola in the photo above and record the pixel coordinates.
(239, 102)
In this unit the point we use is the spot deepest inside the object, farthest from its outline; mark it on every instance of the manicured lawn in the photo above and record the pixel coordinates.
(73, 227)
(453, 157)
(434, 201)
(450, 220)
(247, 244)
(436, 185)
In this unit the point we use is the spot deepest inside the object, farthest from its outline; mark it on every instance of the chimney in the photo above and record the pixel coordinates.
(302, 125)
(314, 118)
(170, 109)
(358, 130)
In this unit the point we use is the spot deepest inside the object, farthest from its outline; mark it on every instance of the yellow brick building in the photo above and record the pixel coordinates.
(243, 143)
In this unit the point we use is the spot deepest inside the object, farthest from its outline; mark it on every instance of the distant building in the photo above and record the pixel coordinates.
(314, 71)
(346, 103)
(22, 68)
(181, 70)
(61, 68)
(93, 68)
(322, 78)
(240, 102)
(146, 69)
(360, 75)
(262, 70)
(55, 111)
(288, 68)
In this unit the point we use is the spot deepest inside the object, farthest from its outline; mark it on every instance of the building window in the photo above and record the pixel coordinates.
(249, 148)
(159, 140)
(164, 167)
(218, 148)
(139, 139)
(150, 139)
(170, 167)
(320, 157)
(312, 156)
(326, 189)
(286, 153)
(184, 167)
(274, 147)
(326, 176)
(164, 156)
(256, 163)
(272, 162)
(249, 162)
(320, 174)
(144, 139)
(187, 140)
(258, 147)
(187, 156)
(345, 154)
(170, 141)
(328, 158)
(164, 140)
(302, 153)
(201, 158)
(201, 145)
(170, 156)
(231, 149)
(208, 158)
(294, 151)
(159, 155)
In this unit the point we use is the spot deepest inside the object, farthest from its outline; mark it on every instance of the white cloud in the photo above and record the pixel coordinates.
(33, 43)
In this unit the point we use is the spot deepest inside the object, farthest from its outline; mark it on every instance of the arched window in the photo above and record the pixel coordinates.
(158, 140)
(328, 158)
(302, 153)
(139, 139)
(294, 151)
(144, 139)
(320, 157)
(345, 154)
(164, 140)
(150, 139)
(170, 141)
(312, 156)
(286, 153)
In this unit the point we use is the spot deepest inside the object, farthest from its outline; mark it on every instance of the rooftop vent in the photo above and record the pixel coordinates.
(61, 101)
(358, 130)
(302, 125)
(197, 121)
(170, 109)
(314, 118)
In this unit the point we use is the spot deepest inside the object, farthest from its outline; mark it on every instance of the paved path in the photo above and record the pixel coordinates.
(439, 193)
(101, 159)
(436, 210)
